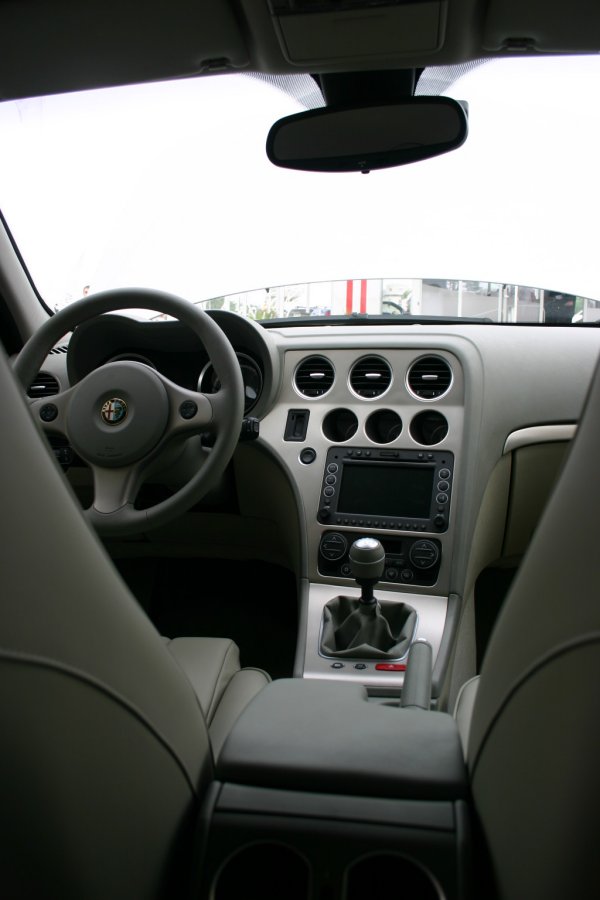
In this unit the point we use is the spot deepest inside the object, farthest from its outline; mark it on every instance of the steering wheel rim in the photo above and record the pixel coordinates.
(115, 480)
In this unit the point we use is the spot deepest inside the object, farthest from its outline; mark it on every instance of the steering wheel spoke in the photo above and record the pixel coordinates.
(190, 411)
(51, 413)
(114, 489)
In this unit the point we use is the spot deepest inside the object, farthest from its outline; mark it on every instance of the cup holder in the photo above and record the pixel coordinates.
(390, 874)
(267, 870)
(340, 425)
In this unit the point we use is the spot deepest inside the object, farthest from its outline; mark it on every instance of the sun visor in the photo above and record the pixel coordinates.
(51, 48)
(541, 26)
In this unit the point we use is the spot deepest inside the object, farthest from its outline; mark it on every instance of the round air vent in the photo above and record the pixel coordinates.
(43, 385)
(314, 376)
(429, 377)
(384, 426)
(370, 377)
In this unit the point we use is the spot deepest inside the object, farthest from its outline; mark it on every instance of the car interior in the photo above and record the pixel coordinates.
(297, 606)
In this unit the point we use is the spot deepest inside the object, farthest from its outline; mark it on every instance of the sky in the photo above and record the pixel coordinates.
(168, 186)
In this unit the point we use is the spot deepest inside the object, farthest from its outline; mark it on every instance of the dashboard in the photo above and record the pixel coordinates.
(438, 440)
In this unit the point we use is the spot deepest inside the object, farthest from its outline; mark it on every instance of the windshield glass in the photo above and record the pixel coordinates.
(168, 186)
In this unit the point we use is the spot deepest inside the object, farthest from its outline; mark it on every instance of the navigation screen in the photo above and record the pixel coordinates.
(381, 489)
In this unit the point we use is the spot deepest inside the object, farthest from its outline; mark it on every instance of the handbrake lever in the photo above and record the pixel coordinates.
(416, 690)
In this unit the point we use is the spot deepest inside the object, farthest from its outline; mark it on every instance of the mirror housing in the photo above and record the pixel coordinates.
(374, 136)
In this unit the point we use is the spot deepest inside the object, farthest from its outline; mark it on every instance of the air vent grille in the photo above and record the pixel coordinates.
(314, 376)
(370, 377)
(60, 348)
(43, 385)
(429, 377)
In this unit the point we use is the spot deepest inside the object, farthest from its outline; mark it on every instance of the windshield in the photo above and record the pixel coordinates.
(168, 186)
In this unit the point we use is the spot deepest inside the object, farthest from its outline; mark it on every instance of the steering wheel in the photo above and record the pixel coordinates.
(120, 417)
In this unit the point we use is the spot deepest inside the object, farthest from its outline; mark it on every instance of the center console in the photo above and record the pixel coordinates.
(402, 498)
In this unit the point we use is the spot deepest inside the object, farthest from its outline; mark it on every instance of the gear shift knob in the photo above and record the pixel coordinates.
(367, 561)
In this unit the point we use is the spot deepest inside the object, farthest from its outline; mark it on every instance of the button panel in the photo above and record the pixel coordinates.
(408, 560)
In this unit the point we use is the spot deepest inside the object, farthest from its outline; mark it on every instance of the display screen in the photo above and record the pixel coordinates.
(381, 489)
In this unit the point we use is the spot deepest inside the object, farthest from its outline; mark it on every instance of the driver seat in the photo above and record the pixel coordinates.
(109, 732)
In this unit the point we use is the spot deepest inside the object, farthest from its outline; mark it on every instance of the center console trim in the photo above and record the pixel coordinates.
(431, 617)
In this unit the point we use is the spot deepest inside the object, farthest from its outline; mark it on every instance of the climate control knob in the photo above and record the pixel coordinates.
(424, 554)
(333, 546)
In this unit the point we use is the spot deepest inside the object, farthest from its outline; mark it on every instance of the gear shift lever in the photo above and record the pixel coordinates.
(367, 559)
(367, 628)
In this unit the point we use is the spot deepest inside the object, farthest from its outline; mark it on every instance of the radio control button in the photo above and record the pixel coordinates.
(331, 479)
(333, 468)
(444, 473)
(443, 486)
(329, 492)
(441, 498)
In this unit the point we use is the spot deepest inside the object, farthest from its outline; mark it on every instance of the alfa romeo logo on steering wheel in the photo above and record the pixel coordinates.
(114, 411)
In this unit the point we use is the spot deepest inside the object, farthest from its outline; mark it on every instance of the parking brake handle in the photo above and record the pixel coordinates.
(416, 690)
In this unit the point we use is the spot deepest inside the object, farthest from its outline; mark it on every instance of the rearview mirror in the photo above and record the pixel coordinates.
(358, 139)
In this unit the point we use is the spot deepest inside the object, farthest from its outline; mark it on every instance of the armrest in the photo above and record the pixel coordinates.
(327, 737)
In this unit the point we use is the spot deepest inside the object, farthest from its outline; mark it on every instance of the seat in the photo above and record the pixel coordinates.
(529, 722)
(224, 689)
(109, 731)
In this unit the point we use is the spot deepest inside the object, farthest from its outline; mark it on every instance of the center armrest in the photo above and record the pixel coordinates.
(327, 737)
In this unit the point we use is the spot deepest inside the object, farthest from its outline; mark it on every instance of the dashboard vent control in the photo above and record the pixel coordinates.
(314, 376)
(429, 377)
(43, 385)
(370, 377)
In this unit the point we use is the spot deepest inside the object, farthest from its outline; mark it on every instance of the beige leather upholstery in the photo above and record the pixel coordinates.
(534, 742)
(212, 666)
(104, 747)
(463, 710)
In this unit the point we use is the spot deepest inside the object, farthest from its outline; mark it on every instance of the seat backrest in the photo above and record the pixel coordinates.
(104, 753)
(534, 743)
